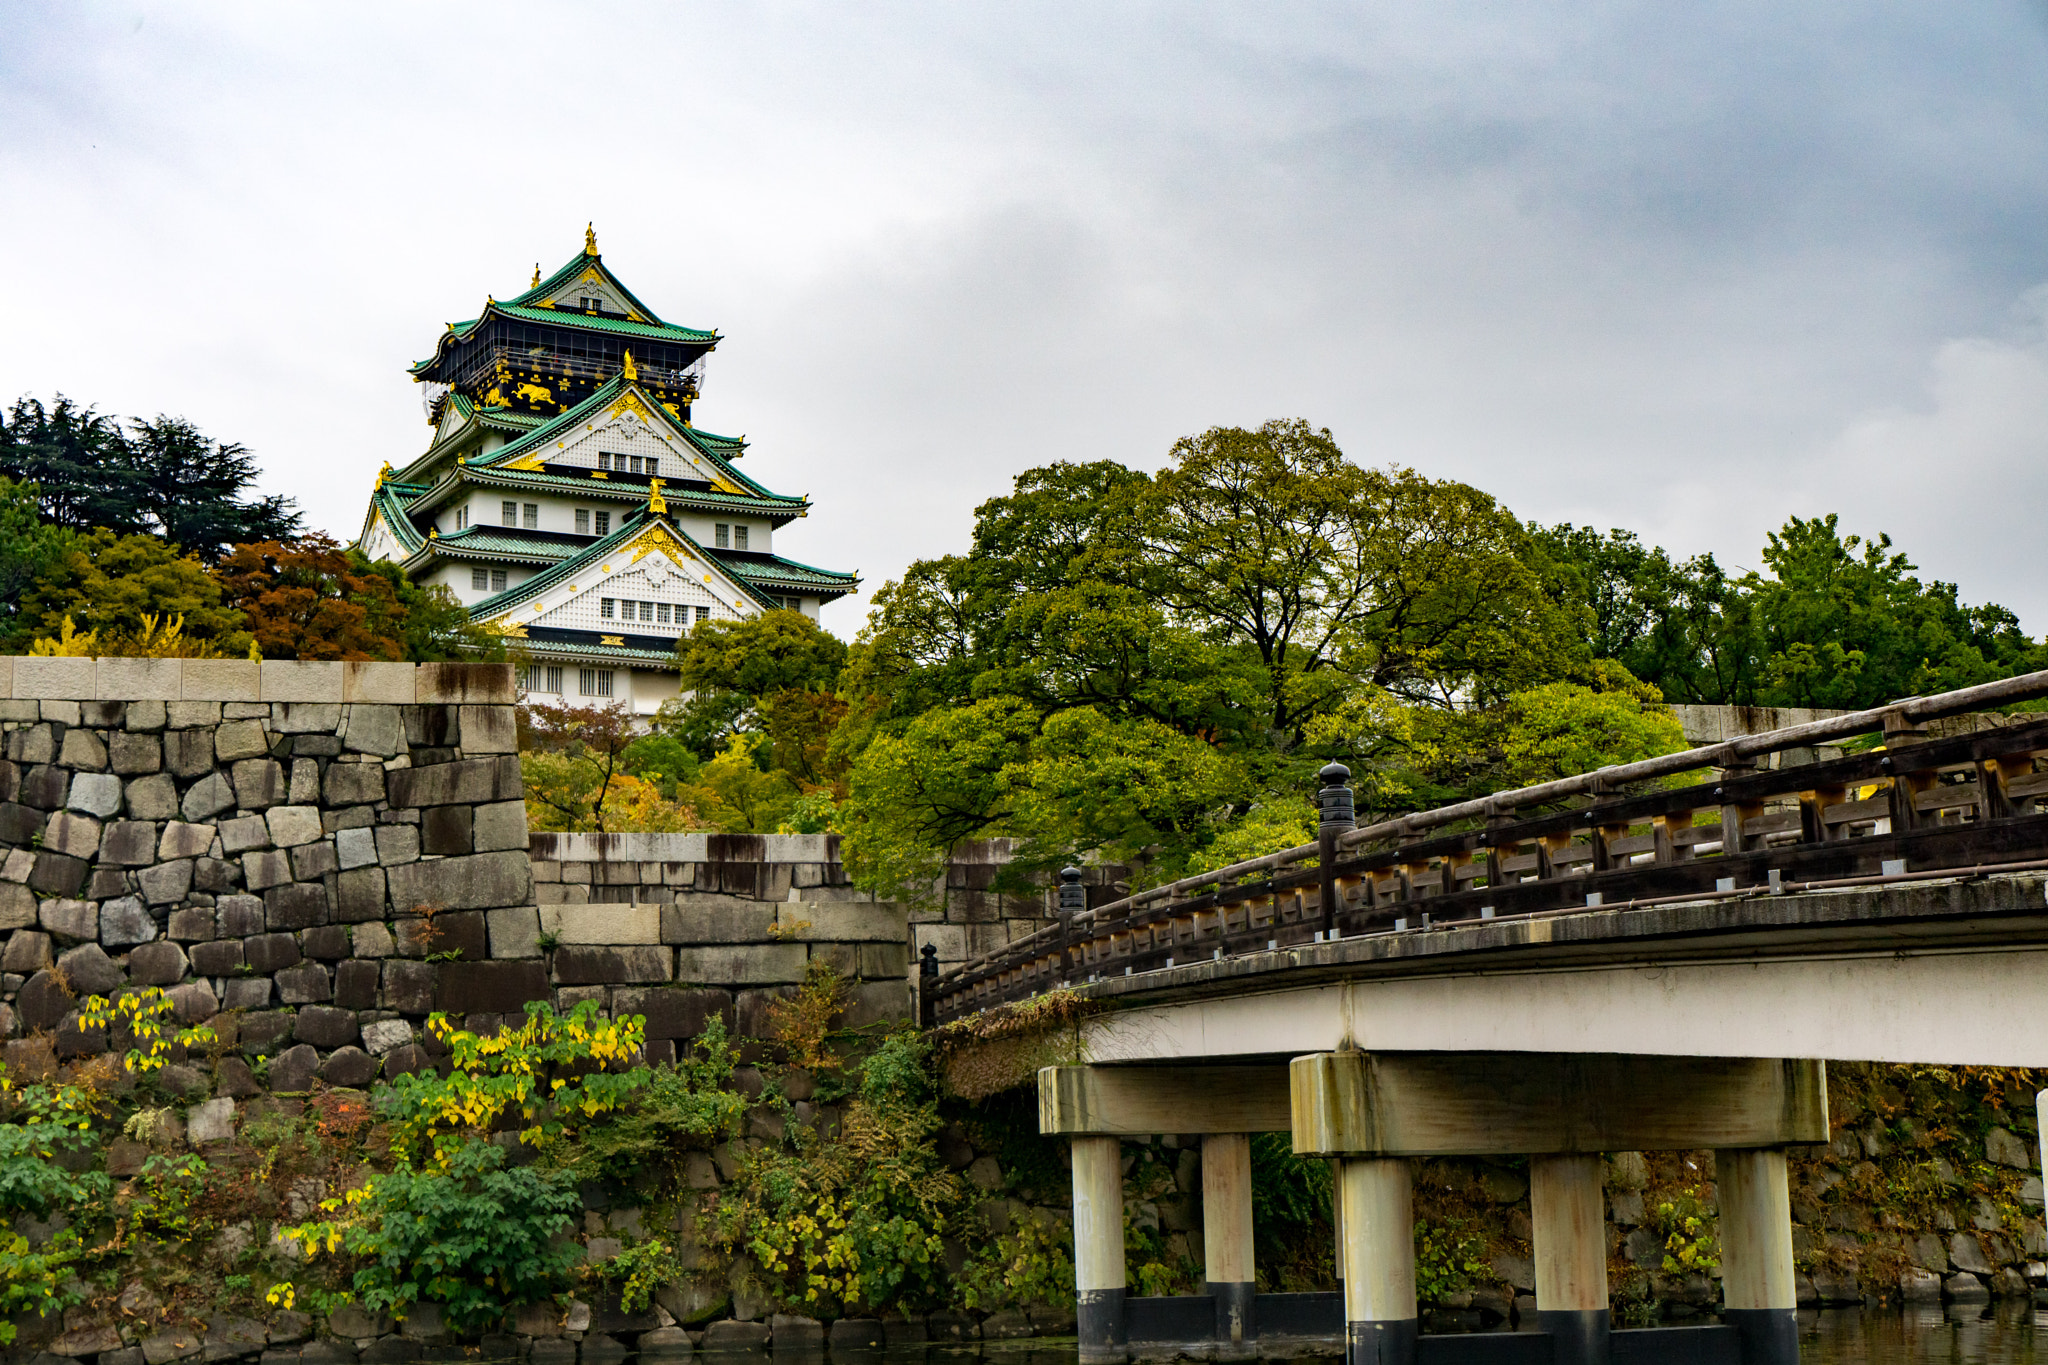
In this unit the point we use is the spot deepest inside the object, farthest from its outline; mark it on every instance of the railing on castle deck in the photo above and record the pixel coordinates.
(1917, 806)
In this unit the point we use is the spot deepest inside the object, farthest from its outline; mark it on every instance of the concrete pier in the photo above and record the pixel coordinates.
(1378, 1261)
(1569, 1218)
(1227, 1256)
(1757, 1284)
(1099, 1247)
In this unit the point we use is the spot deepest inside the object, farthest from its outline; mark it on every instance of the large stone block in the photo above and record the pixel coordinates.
(220, 958)
(499, 826)
(582, 966)
(299, 680)
(675, 1012)
(240, 916)
(244, 833)
(355, 985)
(239, 739)
(292, 1071)
(19, 825)
(479, 882)
(356, 847)
(748, 964)
(475, 684)
(166, 883)
(514, 931)
(609, 925)
(876, 1002)
(54, 678)
(45, 787)
(397, 844)
(842, 922)
(218, 680)
(83, 751)
(72, 921)
(181, 840)
(70, 832)
(136, 679)
(360, 892)
(490, 730)
(131, 754)
(95, 794)
(28, 952)
(409, 986)
(291, 826)
(188, 753)
(297, 905)
(125, 922)
(152, 798)
(316, 720)
(128, 843)
(305, 984)
(353, 784)
(57, 874)
(883, 961)
(261, 871)
(207, 797)
(468, 782)
(157, 964)
(18, 905)
(444, 831)
(491, 987)
(371, 681)
(378, 730)
(259, 783)
(350, 1068)
(716, 920)
(89, 970)
(270, 953)
(325, 1027)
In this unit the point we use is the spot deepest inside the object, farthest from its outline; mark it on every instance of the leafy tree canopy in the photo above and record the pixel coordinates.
(109, 583)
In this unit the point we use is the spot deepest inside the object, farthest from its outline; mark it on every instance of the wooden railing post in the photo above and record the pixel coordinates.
(927, 984)
(1073, 900)
(1339, 813)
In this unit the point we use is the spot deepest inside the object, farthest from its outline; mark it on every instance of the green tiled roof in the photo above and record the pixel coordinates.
(390, 500)
(542, 649)
(629, 528)
(575, 266)
(786, 573)
(568, 317)
(491, 542)
(730, 447)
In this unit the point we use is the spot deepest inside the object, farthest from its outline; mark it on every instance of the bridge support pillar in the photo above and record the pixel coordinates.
(1570, 1223)
(1099, 1247)
(1377, 1260)
(1227, 1256)
(1757, 1283)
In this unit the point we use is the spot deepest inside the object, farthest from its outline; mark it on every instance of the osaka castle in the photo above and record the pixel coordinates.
(568, 500)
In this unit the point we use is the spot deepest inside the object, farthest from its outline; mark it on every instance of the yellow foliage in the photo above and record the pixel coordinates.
(158, 639)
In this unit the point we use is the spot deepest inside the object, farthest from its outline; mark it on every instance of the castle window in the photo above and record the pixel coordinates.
(480, 579)
(604, 608)
(703, 613)
(721, 536)
(511, 513)
(583, 521)
(532, 516)
(604, 523)
(739, 537)
(594, 682)
(555, 680)
(497, 580)
(661, 613)
(604, 460)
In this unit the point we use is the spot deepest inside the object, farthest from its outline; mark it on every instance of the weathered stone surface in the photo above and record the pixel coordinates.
(57, 874)
(207, 797)
(733, 1335)
(265, 869)
(355, 984)
(313, 716)
(489, 730)
(27, 952)
(132, 754)
(491, 987)
(1966, 1253)
(181, 840)
(213, 1121)
(327, 942)
(244, 833)
(444, 831)
(743, 964)
(291, 1071)
(351, 784)
(125, 922)
(128, 843)
(514, 932)
(310, 862)
(474, 684)
(451, 931)
(373, 729)
(349, 1066)
(188, 753)
(239, 739)
(71, 921)
(603, 925)
(360, 895)
(89, 970)
(157, 964)
(248, 993)
(17, 904)
(69, 832)
(291, 826)
(45, 787)
(192, 1003)
(372, 940)
(2001, 1148)
(409, 986)
(166, 882)
(259, 783)
(875, 1002)
(271, 953)
(96, 794)
(240, 916)
(397, 844)
(386, 1034)
(468, 782)
(480, 881)
(664, 1343)
(355, 847)
(152, 798)
(304, 984)
(43, 1002)
(305, 783)
(626, 966)
(677, 1012)
(500, 825)
(87, 1340)
(83, 751)
(192, 924)
(324, 1026)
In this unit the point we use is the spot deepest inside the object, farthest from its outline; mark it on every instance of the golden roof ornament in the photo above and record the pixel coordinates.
(590, 239)
(655, 502)
(433, 533)
(630, 371)
(536, 276)
(384, 474)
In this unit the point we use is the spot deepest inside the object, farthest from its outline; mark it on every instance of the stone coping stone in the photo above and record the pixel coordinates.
(28, 678)
(684, 848)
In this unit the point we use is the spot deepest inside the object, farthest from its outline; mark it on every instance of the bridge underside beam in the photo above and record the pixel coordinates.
(1137, 1101)
(1528, 1104)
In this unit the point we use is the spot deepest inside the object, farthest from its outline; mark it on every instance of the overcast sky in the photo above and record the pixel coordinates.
(1688, 269)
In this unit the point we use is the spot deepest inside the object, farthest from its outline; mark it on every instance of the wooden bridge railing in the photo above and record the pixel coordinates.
(1916, 806)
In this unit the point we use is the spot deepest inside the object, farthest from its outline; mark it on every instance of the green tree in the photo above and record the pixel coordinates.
(190, 488)
(108, 583)
(730, 671)
(76, 458)
(28, 550)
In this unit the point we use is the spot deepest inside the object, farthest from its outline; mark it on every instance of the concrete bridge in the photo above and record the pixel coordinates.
(1606, 963)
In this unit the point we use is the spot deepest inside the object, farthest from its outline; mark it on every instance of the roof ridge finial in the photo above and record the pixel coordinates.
(536, 276)
(590, 238)
(630, 370)
(655, 502)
